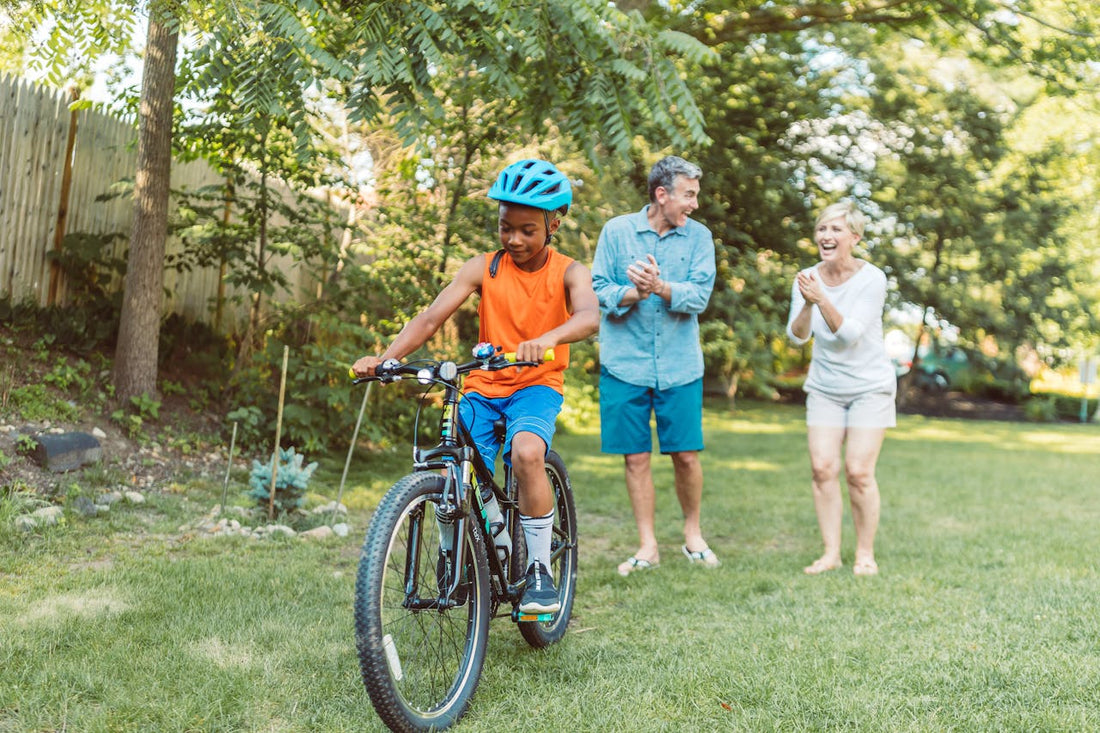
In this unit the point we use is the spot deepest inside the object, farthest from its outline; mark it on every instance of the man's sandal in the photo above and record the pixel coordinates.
(706, 557)
(634, 564)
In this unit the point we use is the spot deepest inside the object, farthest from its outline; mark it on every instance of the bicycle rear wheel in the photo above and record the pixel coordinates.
(563, 553)
(420, 659)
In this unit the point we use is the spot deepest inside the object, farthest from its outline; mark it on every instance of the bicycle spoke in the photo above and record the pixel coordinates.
(420, 656)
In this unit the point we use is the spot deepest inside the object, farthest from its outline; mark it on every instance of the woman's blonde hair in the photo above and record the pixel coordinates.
(853, 217)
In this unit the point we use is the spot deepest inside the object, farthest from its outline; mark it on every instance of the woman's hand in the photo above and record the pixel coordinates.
(810, 287)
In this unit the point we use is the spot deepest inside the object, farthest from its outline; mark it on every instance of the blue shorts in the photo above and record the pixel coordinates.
(529, 410)
(625, 411)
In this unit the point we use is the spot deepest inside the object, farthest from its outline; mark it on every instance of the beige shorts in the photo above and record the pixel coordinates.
(870, 410)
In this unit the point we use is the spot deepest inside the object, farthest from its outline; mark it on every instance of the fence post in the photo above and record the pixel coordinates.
(63, 199)
(219, 302)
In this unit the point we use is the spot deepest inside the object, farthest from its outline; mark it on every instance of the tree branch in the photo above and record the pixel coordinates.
(732, 25)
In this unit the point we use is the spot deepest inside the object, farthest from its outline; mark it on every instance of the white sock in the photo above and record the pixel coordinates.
(538, 531)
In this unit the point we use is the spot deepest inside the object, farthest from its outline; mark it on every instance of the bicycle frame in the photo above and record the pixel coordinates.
(456, 455)
(421, 657)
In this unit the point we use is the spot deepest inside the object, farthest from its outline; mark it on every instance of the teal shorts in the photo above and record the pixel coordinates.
(626, 409)
(529, 410)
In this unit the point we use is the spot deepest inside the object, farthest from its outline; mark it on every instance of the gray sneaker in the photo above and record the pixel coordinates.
(539, 595)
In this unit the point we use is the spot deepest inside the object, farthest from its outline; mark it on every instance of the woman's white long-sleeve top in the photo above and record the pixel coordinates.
(853, 360)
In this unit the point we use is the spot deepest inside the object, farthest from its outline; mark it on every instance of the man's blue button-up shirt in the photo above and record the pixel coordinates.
(652, 343)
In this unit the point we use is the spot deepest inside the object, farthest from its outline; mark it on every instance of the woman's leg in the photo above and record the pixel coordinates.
(825, 445)
(860, 458)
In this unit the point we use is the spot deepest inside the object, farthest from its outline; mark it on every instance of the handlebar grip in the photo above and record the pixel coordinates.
(352, 374)
(548, 356)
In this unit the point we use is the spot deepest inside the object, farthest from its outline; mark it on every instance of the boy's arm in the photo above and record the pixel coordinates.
(424, 325)
(584, 321)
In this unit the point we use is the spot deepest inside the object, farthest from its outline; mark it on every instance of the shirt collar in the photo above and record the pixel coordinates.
(641, 224)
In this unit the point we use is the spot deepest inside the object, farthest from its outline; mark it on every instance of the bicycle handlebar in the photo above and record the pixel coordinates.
(393, 370)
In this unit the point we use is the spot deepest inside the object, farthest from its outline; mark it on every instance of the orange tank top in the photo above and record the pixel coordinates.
(517, 306)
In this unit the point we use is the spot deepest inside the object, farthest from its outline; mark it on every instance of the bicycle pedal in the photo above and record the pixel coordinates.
(517, 616)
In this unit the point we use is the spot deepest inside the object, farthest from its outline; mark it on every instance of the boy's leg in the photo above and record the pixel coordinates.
(531, 414)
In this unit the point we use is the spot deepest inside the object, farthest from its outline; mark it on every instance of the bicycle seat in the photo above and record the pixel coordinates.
(500, 428)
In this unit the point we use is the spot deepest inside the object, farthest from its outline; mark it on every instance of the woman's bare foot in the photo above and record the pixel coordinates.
(865, 566)
(822, 565)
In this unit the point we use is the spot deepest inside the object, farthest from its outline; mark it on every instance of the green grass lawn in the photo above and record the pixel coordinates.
(984, 616)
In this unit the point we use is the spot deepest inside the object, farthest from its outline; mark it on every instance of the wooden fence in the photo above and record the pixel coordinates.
(39, 202)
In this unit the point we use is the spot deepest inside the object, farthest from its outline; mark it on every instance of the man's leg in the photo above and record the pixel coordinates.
(689, 490)
(679, 412)
(639, 486)
(625, 411)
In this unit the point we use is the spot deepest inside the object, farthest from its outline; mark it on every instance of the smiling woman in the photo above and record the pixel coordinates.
(850, 385)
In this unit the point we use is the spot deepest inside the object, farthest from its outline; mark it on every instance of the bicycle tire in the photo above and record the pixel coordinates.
(564, 567)
(420, 666)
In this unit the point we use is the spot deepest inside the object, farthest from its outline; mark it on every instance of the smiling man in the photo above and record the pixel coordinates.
(653, 273)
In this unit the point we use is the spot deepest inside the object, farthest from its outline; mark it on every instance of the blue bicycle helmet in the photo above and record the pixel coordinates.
(533, 183)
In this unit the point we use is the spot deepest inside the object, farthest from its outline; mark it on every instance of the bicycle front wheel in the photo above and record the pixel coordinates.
(421, 649)
(563, 558)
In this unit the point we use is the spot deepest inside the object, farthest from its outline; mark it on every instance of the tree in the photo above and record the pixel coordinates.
(814, 101)
(135, 367)
(583, 62)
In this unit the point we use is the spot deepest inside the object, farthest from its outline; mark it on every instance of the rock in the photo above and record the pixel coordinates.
(280, 529)
(341, 529)
(48, 516)
(97, 433)
(25, 523)
(318, 533)
(109, 498)
(66, 451)
(331, 507)
(86, 506)
(134, 497)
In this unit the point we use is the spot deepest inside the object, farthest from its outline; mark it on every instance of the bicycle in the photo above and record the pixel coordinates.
(422, 628)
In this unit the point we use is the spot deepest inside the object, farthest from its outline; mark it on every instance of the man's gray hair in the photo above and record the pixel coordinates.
(664, 171)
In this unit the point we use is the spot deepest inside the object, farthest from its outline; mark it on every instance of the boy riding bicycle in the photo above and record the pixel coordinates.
(533, 299)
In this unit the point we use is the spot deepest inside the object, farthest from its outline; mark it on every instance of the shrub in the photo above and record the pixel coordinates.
(291, 481)
(1058, 406)
(1041, 409)
(35, 402)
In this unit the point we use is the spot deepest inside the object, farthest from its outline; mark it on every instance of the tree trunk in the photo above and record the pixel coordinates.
(135, 369)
